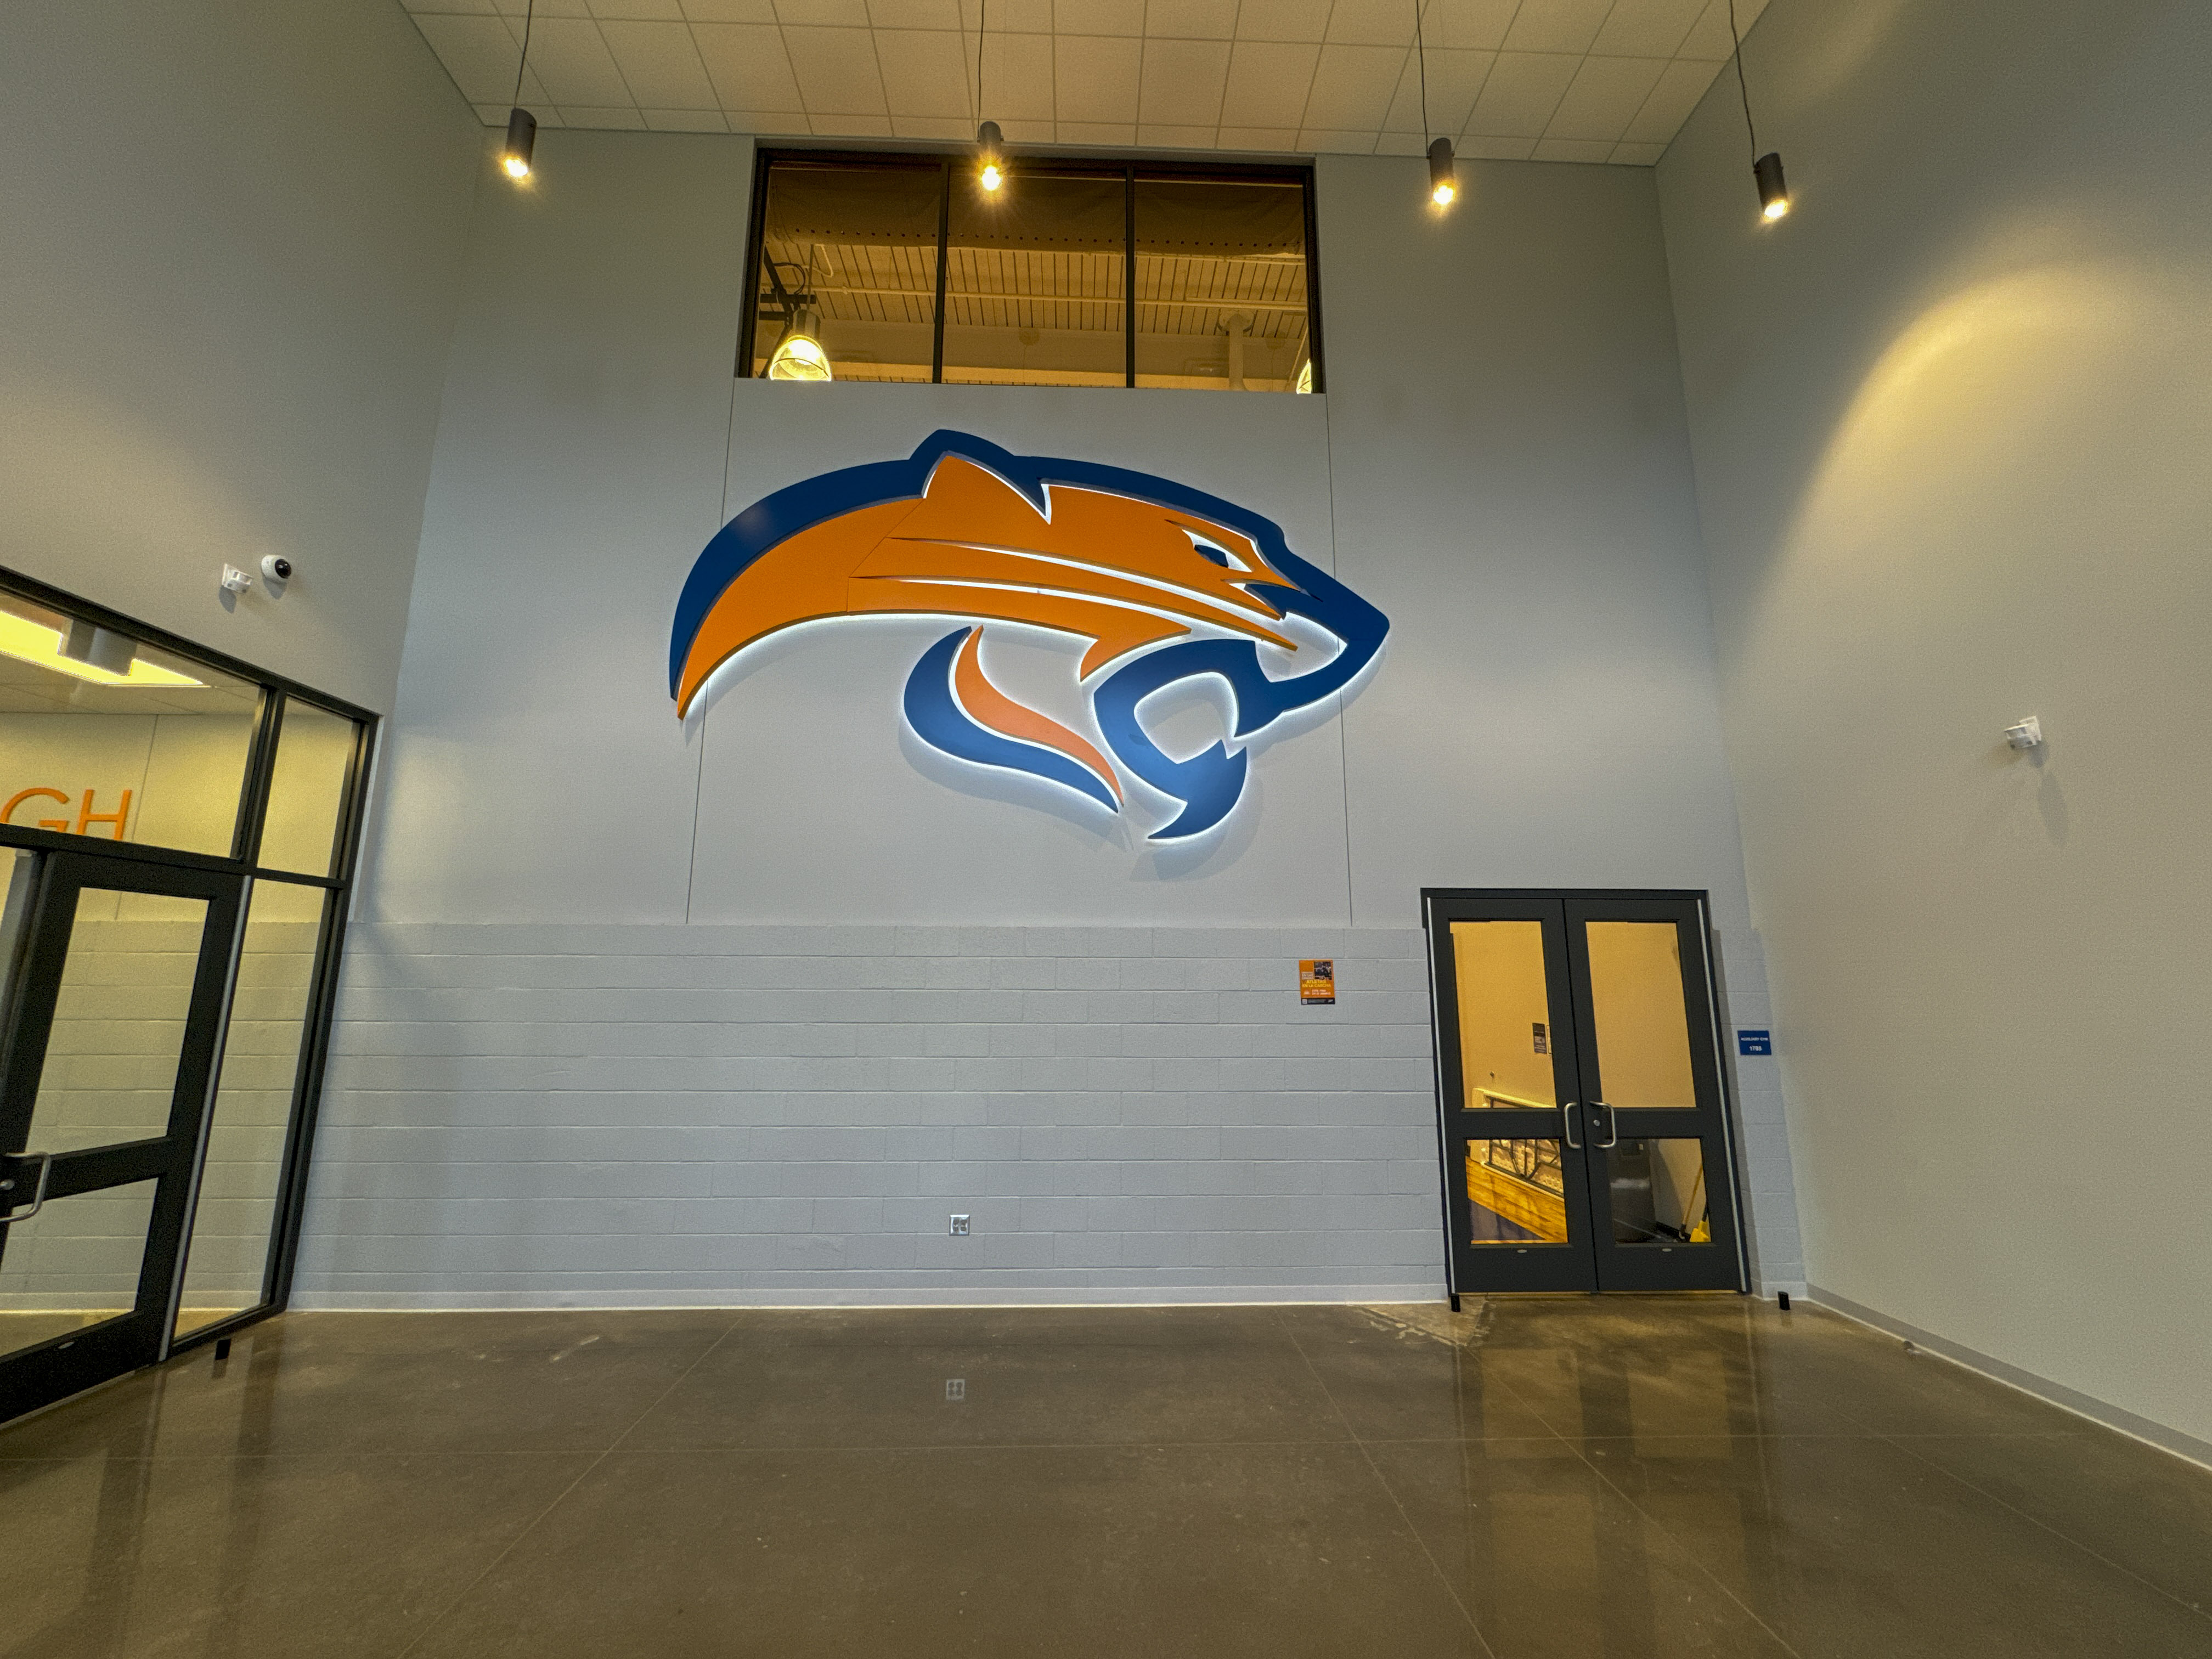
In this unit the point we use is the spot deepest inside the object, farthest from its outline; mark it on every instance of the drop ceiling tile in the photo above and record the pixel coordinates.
(1283, 19)
(419, 8)
(1182, 82)
(1468, 24)
(1496, 150)
(1709, 38)
(747, 65)
(925, 73)
(1637, 155)
(1020, 133)
(1123, 17)
(955, 130)
(1323, 141)
(1269, 81)
(519, 9)
(1191, 20)
(618, 118)
(774, 124)
(493, 115)
(1371, 23)
(1680, 84)
(1119, 134)
(1647, 28)
(1572, 149)
(1604, 98)
(1401, 143)
(480, 53)
(570, 56)
(1523, 89)
(649, 11)
(836, 71)
(1018, 77)
(1272, 140)
(1156, 136)
(1095, 80)
(660, 64)
(1018, 17)
(851, 126)
(729, 11)
(685, 120)
(1353, 87)
(832, 14)
(1456, 79)
(915, 14)
(1556, 24)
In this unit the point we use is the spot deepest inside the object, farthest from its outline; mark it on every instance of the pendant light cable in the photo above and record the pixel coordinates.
(1421, 56)
(529, 15)
(983, 24)
(1744, 91)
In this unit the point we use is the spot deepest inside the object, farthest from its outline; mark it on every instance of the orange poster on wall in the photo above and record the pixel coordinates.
(1316, 980)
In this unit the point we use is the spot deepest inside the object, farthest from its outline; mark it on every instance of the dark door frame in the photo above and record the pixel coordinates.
(1568, 995)
(67, 1364)
(243, 862)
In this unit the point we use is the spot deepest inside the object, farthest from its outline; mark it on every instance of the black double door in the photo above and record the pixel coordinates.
(114, 1022)
(1584, 1137)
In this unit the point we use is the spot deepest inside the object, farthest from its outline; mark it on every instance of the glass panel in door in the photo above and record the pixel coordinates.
(1642, 1022)
(117, 995)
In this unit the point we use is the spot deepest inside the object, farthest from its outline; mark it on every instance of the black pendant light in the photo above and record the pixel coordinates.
(990, 143)
(521, 124)
(1444, 172)
(1766, 170)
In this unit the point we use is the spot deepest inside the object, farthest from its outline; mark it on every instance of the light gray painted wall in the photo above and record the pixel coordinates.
(1951, 420)
(768, 953)
(229, 272)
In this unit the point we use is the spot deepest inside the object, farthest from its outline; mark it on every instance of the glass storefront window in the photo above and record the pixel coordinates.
(242, 1174)
(106, 736)
(308, 790)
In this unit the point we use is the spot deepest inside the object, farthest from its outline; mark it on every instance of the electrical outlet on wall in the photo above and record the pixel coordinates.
(959, 1227)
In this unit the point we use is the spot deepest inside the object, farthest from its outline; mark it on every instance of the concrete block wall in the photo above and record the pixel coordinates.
(558, 1115)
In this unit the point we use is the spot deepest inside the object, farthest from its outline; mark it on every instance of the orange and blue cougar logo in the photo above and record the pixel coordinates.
(1168, 584)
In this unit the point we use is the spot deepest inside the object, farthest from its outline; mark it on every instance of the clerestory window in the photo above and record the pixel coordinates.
(901, 266)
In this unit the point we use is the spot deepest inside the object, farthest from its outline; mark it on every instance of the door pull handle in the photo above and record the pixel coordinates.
(1567, 1124)
(1612, 1125)
(37, 1197)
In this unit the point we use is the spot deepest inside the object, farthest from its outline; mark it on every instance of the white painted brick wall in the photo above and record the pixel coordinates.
(553, 1115)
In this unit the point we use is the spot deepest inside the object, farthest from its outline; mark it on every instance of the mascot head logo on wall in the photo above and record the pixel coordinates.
(1169, 584)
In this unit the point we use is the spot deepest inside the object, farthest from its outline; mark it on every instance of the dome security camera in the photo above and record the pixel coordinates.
(277, 567)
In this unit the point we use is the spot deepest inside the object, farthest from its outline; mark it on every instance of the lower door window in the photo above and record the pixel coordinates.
(1584, 1135)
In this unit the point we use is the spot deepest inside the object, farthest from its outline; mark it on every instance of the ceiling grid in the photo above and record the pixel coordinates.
(1520, 80)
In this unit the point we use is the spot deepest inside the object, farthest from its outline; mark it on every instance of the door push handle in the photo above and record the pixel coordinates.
(1611, 1123)
(37, 1197)
(1567, 1124)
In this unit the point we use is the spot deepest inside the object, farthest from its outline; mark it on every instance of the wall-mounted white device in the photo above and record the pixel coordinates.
(277, 567)
(2028, 734)
(235, 580)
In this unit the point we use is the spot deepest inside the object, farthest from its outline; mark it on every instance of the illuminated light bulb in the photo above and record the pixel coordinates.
(800, 356)
(990, 146)
(1773, 191)
(1444, 173)
(521, 141)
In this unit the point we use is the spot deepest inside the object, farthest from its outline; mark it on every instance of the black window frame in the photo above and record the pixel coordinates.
(1134, 170)
(336, 884)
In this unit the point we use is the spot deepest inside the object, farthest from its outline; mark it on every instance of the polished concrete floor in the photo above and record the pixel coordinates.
(1633, 1477)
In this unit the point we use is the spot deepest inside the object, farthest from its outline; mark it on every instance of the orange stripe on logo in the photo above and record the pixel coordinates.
(989, 707)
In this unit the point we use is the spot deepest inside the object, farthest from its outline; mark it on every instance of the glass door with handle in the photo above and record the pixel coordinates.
(119, 973)
(1583, 1127)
